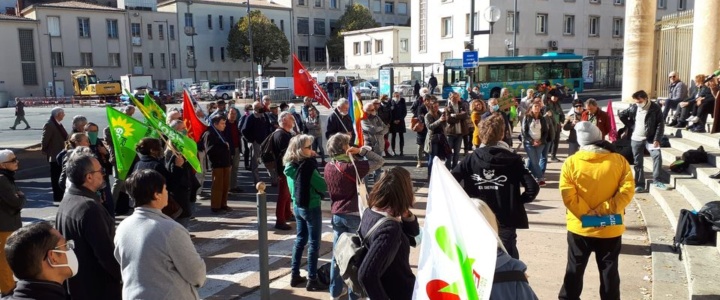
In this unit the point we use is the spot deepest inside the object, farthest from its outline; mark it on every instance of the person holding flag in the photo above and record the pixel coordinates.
(597, 117)
(218, 152)
(339, 121)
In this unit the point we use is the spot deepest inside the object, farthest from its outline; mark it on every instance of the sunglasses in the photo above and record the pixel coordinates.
(576, 106)
(12, 161)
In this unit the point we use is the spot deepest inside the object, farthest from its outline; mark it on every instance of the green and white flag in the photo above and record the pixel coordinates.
(126, 132)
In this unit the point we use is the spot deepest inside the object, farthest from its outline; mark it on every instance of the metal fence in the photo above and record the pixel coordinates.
(673, 50)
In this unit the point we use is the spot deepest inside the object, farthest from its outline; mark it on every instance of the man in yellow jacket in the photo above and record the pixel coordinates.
(596, 185)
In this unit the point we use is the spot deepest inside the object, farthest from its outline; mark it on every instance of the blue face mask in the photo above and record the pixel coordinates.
(92, 136)
(495, 107)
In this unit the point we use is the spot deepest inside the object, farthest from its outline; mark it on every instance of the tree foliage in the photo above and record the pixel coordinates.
(356, 17)
(269, 43)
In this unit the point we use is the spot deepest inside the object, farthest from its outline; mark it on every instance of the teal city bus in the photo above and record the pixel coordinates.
(517, 73)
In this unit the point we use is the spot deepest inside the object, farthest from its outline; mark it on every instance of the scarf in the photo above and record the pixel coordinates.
(10, 175)
(303, 178)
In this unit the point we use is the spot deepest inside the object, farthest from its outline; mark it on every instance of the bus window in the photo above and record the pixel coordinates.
(556, 71)
(498, 73)
(515, 72)
(540, 71)
(528, 72)
(575, 70)
(481, 74)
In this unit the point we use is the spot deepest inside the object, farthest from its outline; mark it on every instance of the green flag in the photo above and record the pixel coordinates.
(153, 108)
(185, 145)
(126, 132)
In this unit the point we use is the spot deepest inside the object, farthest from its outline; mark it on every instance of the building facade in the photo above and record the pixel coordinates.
(371, 48)
(21, 69)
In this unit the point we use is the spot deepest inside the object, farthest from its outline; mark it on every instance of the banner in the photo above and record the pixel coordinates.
(126, 133)
(459, 248)
(612, 135)
(306, 86)
(356, 115)
(194, 125)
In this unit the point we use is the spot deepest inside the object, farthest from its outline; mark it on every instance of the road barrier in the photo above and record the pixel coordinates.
(64, 101)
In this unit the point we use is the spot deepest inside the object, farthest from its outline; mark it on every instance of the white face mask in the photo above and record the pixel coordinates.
(72, 261)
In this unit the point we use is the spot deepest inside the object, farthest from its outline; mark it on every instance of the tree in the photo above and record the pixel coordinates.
(269, 42)
(356, 17)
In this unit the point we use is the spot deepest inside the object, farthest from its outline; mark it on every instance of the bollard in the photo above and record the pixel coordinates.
(263, 241)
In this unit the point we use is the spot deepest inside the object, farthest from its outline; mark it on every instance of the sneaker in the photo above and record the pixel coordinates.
(226, 208)
(672, 123)
(284, 226)
(419, 165)
(689, 119)
(661, 186)
(13, 128)
(640, 190)
(541, 182)
(315, 285)
(26, 128)
(555, 159)
(297, 280)
(698, 129)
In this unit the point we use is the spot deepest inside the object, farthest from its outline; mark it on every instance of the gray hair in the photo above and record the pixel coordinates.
(78, 166)
(175, 123)
(128, 108)
(55, 111)
(336, 144)
(266, 97)
(173, 115)
(368, 105)
(591, 101)
(284, 115)
(79, 119)
(341, 101)
(424, 91)
(294, 151)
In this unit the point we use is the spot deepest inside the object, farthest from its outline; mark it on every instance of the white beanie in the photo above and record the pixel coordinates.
(6, 156)
(587, 133)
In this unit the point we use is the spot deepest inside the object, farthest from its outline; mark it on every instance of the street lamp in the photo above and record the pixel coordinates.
(192, 41)
(167, 37)
(53, 93)
(491, 15)
(252, 54)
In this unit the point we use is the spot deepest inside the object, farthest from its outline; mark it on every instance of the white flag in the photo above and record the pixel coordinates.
(459, 248)
(576, 97)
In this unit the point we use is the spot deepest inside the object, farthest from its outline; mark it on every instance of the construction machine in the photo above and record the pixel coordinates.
(87, 86)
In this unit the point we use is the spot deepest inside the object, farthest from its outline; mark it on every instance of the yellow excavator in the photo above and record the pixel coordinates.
(85, 83)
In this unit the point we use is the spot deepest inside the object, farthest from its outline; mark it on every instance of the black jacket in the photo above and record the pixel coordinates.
(218, 152)
(494, 175)
(654, 125)
(545, 129)
(256, 128)
(398, 113)
(419, 111)
(10, 202)
(37, 290)
(81, 218)
(385, 112)
(180, 183)
(335, 125)
(280, 143)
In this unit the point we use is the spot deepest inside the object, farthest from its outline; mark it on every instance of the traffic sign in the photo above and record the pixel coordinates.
(470, 59)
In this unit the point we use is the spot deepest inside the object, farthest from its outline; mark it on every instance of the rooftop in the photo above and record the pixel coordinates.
(4, 17)
(75, 5)
(253, 3)
(376, 29)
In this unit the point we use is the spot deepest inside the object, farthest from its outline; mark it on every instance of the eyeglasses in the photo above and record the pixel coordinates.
(12, 161)
(69, 244)
(576, 106)
(101, 171)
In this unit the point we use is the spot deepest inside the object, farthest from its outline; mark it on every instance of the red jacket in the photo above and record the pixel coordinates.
(603, 120)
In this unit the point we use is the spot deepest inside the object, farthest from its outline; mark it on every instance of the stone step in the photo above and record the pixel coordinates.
(683, 145)
(701, 172)
(708, 139)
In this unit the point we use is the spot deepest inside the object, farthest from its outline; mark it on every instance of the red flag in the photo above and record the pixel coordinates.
(306, 86)
(612, 136)
(195, 127)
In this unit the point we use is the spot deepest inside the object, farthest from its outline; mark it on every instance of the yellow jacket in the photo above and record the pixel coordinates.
(476, 118)
(594, 178)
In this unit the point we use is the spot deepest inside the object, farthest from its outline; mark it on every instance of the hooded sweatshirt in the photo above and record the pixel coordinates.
(517, 290)
(596, 179)
(494, 175)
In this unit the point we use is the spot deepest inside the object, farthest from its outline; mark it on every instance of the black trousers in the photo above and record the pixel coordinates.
(508, 236)
(682, 113)
(402, 141)
(58, 191)
(556, 141)
(669, 104)
(246, 153)
(703, 110)
(606, 251)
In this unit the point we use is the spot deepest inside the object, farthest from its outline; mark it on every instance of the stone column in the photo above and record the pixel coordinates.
(706, 37)
(639, 47)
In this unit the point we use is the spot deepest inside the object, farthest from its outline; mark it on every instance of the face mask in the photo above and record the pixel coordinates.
(495, 107)
(93, 137)
(72, 261)
(184, 131)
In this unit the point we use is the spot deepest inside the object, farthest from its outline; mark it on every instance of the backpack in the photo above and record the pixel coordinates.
(698, 156)
(711, 212)
(266, 149)
(349, 253)
(679, 166)
(692, 229)
(624, 148)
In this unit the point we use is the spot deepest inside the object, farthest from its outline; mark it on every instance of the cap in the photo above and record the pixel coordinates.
(273, 105)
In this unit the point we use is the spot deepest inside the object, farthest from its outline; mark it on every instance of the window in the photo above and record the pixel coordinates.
(84, 27)
(378, 46)
(162, 61)
(540, 51)
(356, 48)
(171, 32)
(619, 2)
(135, 30)
(541, 24)
(389, 7)
(222, 53)
(161, 32)
(220, 22)
(189, 20)
(618, 27)
(404, 45)
(114, 59)
(27, 57)
(54, 26)
(173, 61)
(152, 60)
(301, 2)
(303, 26)
(334, 4)
(594, 28)
(232, 22)
(682, 4)
(57, 59)
(569, 25)
(303, 53)
(368, 47)
(319, 26)
(446, 27)
(137, 59)
(282, 25)
(86, 59)
(402, 8)
(616, 52)
(149, 31)
(422, 32)
(445, 55)
(333, 27)
(318, 3)
(376, 6)
(568, 50)
(319, 54)
(212, 54)
(209, 21)
(593, 52)
(509, 21)
(662, 4)
(112, 29)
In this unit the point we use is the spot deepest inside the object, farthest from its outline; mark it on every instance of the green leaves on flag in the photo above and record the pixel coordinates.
(126, 132)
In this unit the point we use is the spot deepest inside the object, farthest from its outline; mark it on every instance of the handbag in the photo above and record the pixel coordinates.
(416, 125)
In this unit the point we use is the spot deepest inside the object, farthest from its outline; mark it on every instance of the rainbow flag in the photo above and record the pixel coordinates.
(356, 115)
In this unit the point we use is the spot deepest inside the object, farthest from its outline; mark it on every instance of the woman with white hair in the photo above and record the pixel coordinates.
(12, 200)
(307, 188)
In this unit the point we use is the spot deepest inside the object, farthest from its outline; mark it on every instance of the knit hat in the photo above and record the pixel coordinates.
(6, 156)
(587, 133)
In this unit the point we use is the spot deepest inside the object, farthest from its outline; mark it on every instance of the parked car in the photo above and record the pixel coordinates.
(367, 89)
(223, 91)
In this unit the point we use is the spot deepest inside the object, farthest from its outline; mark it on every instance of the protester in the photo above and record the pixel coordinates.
(218, 153)
(266, 101)
(385, 270)
(419, 109)
(81, 218)
(173, 115)
(183, 190)
(373, 131)
(98, 149)
(493, 107)
(12, 200)
(256, 129)
(525, 103)
(76, 140)
(280, 143)
(307, 107)
(299, 123)
(245, 144)
(157, 258)
(307, 188)
(339, 120)
(515, 287)
(118, 187)
(53, 141)
(704, 104)
(569, 125)
(78, 124)
(678, 91)
(314, 127)
(646, 131)
(435, 122)
(42, 260)
(535, 136)
(555, 111)
(384, 111)
(20, 115)
(494, 173)
(397, 122)
(597, 117)
(341, 176)
(456, 114)
(273, 116)
(595, 182)
(477, 109)
(232, 136)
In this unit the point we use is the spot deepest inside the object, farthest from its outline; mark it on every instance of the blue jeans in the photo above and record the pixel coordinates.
(454, 141)
(309, 225)
(537, 159)
(341, 223)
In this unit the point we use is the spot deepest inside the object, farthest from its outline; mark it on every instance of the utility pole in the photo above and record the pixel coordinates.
(192, 42)
(252, 54)
(515, 22)
(53, 93)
